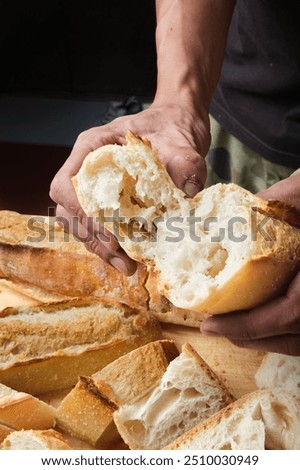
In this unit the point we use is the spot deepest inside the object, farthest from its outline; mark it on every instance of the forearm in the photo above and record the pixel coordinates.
(190, 38)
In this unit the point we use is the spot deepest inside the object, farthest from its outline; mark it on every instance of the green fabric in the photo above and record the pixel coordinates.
(229, 160)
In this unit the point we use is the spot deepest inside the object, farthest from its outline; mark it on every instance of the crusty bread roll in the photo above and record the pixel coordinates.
(187, 393)
(35, 440)
(259, 420)
(279, 372)
(47, 264)
(236, 254)
(47, 347)
(87, 411)
(20, 410)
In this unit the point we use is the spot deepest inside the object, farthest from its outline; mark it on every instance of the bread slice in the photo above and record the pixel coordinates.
(259, 420)
(4, 431)
(187, 393)
(47, 347)
(279, 372)
(22, 411)
(87, 411)
(37, 253)
(224, 250)
(35, 440)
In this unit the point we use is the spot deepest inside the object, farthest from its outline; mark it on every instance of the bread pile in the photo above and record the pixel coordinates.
(77, 322)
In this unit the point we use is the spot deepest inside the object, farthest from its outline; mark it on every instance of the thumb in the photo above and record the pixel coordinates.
(188, 171)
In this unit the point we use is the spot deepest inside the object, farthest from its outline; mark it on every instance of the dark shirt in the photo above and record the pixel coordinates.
(258, 96)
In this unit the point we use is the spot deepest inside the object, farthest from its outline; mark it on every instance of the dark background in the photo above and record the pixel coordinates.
(74, 54)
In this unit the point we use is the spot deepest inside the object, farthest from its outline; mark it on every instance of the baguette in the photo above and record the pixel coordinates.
(186, 394)
(35, 440)
(259, 420)
(20, 410)
(42, 263)
(238, 253)
(36, 252)
(279, 372)
(45, 348)
(4, 431)
(87, 411)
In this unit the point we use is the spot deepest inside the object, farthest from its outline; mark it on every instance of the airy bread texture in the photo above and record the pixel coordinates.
(259, 420)
(35, 440)
(187, 393)
(46, 347)
(221, 251)
(42, 263)
(22, 411)
(87, 411)
(48, 264)
(279, 372)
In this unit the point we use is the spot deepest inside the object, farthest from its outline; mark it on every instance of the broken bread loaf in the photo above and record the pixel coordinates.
(279, 372)
(87, 411)
(259, 420)
(186, 394)
(20, 410)
(39, 263)
(47, 347)
(224, 250)
(35, 440)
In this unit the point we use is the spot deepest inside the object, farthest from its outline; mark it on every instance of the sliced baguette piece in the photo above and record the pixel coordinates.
(23, 411)
(238, 253)
(188, 393)
(37, 254)
(87, 411)
(279, 372)
(35, 440)
(258, 420)
(47, 347)
(4, 431)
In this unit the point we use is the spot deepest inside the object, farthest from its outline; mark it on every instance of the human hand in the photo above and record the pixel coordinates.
(182, 138)
(274, 326)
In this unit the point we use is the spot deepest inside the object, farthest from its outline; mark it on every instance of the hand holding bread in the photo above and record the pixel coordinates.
(222, 251)
(183, 139)
(273, 326)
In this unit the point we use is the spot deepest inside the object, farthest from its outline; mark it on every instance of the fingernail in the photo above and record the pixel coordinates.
(191, 188)
(120, 265)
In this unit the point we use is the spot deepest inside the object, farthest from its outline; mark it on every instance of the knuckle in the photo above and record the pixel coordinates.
(55, 188)
(291, 318)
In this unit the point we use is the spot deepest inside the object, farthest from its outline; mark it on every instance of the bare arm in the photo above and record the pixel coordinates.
(191, 37)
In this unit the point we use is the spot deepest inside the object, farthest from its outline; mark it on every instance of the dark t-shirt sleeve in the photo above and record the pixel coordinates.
(258, 95)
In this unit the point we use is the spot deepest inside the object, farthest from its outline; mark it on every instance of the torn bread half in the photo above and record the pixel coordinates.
(47, 347)
(221, 251)
(20, 410)
(279, 372)
(259, 420)
(39, 263)
(87, 411)
(35, 440)
(187, 393)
